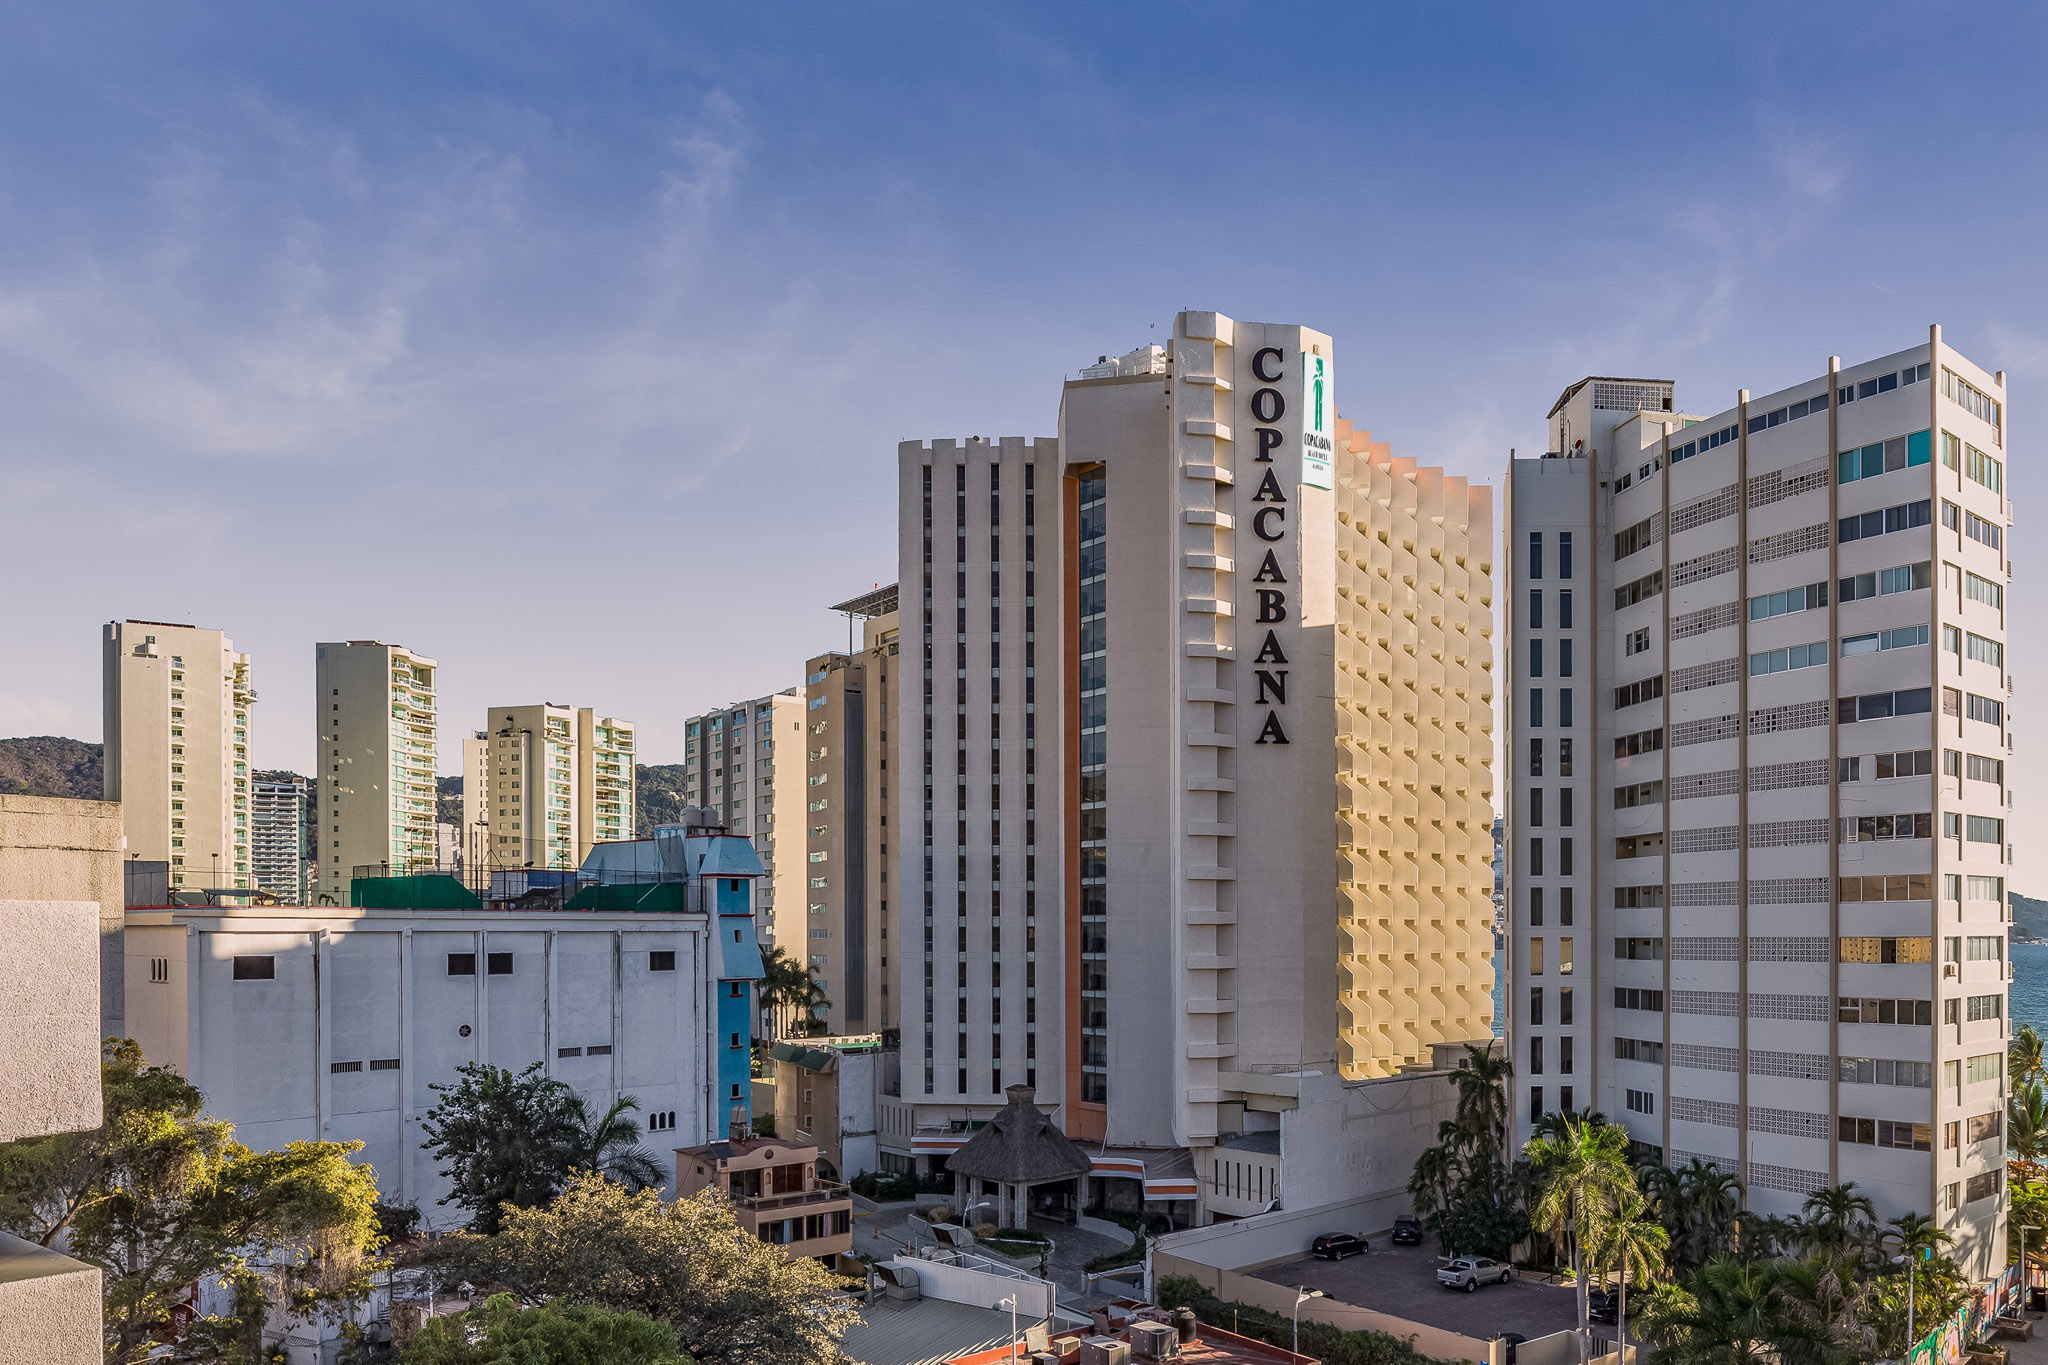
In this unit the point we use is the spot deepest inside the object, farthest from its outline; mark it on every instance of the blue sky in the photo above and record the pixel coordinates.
(571, 344)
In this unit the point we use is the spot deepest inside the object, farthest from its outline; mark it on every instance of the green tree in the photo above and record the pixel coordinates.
(2026, 1127)
(160, 1197)
(609, 1144)
(1582, 1173)
(731, 1298)
(2024, 1065)
(1724, 1316)
(500, 1332)
(502, 1139)
(1632, 1242)
(1816, 1311)
(1699, 1204)
(1839, 1220)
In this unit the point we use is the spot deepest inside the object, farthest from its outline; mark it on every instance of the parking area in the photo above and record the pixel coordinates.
(1401, 1282)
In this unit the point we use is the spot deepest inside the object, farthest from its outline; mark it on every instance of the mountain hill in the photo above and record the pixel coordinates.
(50, 765)
(2029, 917)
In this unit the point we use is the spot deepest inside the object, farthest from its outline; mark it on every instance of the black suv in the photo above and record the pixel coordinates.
(1407, 1231)
(1335, 1246)
(1601, 1305)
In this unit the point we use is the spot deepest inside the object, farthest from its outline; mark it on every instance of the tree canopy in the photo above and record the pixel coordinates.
(730, 1298)
(500, 1332)
(161, 1197)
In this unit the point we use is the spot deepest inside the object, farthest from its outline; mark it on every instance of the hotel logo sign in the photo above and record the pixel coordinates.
(1318, 422)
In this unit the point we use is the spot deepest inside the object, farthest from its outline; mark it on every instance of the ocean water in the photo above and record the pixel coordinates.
(2029, 1002)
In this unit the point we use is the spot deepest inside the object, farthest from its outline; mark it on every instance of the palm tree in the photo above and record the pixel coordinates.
(1582, 1175)
(1483, 1103)
(1632, 1240)
(2024, 1060)
(1726, 1318)
(1700, 1205)
(2026, 1125)
(609, 1144)
(1840, 1220)
(1821, 1316)
(1429, 1185)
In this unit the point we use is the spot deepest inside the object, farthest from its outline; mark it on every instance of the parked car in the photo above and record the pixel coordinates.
(1335, 1246)
(1601, 1305)
(1513, 1339)
(1407, 1231)
(1469, 1272)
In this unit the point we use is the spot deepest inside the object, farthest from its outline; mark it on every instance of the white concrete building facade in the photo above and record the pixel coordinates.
(329, 1024)
(177, 701)
(1758, 741)
(746, 763)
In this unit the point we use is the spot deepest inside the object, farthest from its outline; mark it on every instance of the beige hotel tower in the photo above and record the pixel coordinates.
(1194, 793)
(177, 701)
(375, 742)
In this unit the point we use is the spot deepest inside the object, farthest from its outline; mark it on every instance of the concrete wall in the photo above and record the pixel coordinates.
(49, 1307)
(49, 1018)
(61, 850)
(1360, 1139)
(981, 1288)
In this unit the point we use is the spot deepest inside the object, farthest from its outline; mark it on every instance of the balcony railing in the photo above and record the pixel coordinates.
(823, 1192)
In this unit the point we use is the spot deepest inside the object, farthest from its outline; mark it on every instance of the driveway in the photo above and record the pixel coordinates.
(1401, 1282)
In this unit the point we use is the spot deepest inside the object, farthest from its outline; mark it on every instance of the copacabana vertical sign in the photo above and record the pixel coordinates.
(1318, 422)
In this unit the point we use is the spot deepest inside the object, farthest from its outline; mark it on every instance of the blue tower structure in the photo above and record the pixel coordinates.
(697, 868)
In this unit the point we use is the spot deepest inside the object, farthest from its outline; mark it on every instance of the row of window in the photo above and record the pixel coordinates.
(1904, 516)
(1564, 555)
(1883, 457)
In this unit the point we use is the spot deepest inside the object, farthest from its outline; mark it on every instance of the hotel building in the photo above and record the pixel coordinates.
(555, 781)
(730, 768)
(374, 731)
(849, 701)
(1757, 835)
(1197, 730)
(177, 702)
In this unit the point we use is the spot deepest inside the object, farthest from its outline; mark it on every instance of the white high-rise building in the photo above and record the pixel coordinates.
(746, 762)
(555, 781)
(1193, 786)
(177, 701)
(1757, 819)
(374, 731)
(280, 847)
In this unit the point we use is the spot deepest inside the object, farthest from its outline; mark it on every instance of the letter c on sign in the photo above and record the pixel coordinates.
(1259, 362)
(1259, 522)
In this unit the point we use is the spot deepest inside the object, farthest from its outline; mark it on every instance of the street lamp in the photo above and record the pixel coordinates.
(1011, 1304)
(1912, 1278)
(1302, 1294)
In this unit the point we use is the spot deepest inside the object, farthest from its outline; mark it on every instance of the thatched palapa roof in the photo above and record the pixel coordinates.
(1020, 1146)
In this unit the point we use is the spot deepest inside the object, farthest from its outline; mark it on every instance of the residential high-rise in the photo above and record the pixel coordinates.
(374, 729)
(279, 850)
(1756, 830)
(847, 887)
(556, 780)
(1196, 835)
(177, 701)
(474, 840)
(729, 766)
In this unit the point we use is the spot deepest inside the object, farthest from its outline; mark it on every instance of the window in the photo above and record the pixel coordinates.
(1983, 829)
(1536, 761)
(1985, 1066)
(1852, 1009)
(1636, 641)
(1643, 742)
(1535, 957)
(1639, 949)
(1980, 1186)
(1535, 609)
(1903, 578)
(1535, 554)
(1902, 637)
(661, 960)
(1982, 531)
(1564, 609)
(1979, 589)
(1564, 708)
(1636, 537)
(1969, 397)
(1851, 770)
(1639, 1101)
(1564, 658)
(1982, 769)
(1978, 649)
(1633, 998)
(1901, 517)
(1886, 1071)
(1914, 701)
(1641, 590)
(1535, 706)
(338, 1068)
(1792, 657)
(1915, 1137)
(1867, 829)
(1905, 763)
(1564, 555)
(1535, 658)
(1982, 1007)
(1983, 1127)
(1632, 694)
(1986, 709)
(462, 964)
(1783, 603)
(255, 968)
(496, 964)
(1888, 950)
(1638, 794)
(1883, 457)
(1564, 954)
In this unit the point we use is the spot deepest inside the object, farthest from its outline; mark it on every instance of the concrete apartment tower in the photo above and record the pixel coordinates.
(177, 701)
(555, 781)
(281, 842)
(374, 728)
(744, 761)
(849, 705)
(1198, 731)
(1756, 829)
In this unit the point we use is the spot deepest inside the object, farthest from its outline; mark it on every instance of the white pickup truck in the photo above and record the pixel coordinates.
(1469, 1272)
